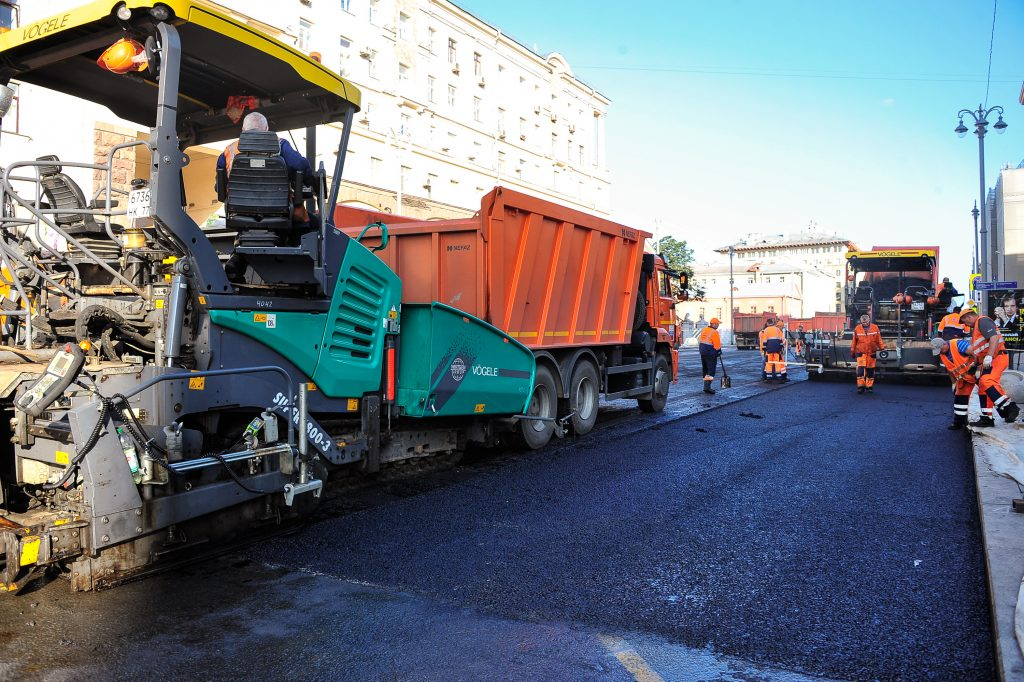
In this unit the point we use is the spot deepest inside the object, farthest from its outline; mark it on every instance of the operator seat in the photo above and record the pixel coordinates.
(61, 192)
(864, 300)
(257, 195)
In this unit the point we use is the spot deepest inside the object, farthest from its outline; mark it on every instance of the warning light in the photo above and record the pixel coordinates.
(123, 56)
(85, 345)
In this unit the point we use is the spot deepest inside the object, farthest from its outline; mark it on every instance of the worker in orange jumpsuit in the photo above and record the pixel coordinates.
(710, 346)
(989, 353)
(867, 341)
(950, 326)
(774, 348)
(961, 367)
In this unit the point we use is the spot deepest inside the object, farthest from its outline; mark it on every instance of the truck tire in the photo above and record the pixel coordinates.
(531, 434)
(640, 311)
(662, 377)
(584, 396)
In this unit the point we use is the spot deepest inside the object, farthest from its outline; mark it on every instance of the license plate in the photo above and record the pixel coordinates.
(917, 305)
(138, 203)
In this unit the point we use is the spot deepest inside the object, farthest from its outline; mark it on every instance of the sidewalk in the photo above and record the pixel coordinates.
(998, 465)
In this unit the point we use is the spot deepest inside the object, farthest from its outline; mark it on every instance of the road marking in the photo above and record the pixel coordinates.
(633, 662)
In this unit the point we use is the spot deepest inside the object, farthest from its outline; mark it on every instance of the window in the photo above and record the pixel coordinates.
(782, 278)
(718, 313)
(431, 36)
(404, 26)
(450, 143)
(582, 158)
(521, 168)
(501, 162)
(771, 309)
(750, 280)
(431, 182)
(451, 51)
(346, 5)
(451, 95)
(476, 109)
(371, 67)
(344, 49)
(373, 12)
(305, 29)
(375, 170)
(406, 171)
(701, 313)
(404, 126)
(478, 150)
(430, 90)
(767, 280)
(522, 128)
(478, 67)
(403, 73)
(501, 120)
(753, 308)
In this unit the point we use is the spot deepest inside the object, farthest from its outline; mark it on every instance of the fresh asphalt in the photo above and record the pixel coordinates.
(806, 532)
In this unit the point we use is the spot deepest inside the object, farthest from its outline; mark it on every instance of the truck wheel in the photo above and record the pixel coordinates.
(584, 394)
(662, 376)
(533, 434)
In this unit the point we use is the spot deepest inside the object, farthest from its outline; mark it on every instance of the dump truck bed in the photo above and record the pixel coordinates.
(547, 275)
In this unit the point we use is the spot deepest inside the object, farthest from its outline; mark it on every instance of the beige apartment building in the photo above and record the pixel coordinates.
(451, 107)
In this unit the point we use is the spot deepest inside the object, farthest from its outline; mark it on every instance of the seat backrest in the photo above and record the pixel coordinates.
(863, 294)
(257, 186)
(61, 192)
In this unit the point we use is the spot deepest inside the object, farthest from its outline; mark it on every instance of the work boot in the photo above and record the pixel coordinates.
(984, 422)
(860, 389)
(958, 423)
(785, 378)
(764, 378)
(1011, 412)
(707, 388)
(870, 389)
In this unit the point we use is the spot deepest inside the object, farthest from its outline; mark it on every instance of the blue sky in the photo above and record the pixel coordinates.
(736, 116)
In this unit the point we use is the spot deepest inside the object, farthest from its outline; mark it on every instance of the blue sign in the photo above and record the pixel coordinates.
(987, 286)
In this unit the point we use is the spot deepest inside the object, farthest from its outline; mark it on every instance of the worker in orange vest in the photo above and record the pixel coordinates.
(961, 367)
(710, 346)
(950, 326)
(867, 341)
(773, 345)
(989, 353)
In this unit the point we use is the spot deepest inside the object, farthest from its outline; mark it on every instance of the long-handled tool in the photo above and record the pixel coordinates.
(726, 381)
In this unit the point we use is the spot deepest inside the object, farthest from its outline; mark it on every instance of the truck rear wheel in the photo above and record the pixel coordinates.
(584, 394)
(662, 377)
(532, 433)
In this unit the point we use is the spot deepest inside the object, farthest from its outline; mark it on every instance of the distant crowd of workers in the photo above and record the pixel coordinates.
(771, 341)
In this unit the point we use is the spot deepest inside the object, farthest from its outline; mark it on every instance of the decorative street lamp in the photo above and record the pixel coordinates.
(980, 125)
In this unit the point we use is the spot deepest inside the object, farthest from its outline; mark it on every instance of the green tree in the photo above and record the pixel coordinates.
(679, 257)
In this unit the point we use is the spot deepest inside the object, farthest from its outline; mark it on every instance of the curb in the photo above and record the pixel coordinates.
(1002, 534)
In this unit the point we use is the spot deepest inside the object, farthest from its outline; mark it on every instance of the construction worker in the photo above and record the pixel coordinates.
(867, 341)
(950, 326)
(961, 368)
(989, 353)
(774, 349)
(710, 346)
(801, 342)
(760, 346)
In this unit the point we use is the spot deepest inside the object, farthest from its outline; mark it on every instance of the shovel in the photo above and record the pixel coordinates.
(726, 381)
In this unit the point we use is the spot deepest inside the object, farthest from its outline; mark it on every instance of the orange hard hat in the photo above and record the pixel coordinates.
(715, 320)
(123, 56)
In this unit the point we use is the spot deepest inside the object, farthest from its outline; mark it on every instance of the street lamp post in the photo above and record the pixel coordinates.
(732, 308)
(980, 128)
(977, 252)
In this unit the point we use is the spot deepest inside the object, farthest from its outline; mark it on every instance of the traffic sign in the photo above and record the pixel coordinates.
(988, 286)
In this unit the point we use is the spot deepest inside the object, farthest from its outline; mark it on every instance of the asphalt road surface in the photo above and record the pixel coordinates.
(803, 533)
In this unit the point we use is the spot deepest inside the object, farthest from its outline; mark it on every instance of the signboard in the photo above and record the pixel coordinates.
(991, 286)
(1005, 308)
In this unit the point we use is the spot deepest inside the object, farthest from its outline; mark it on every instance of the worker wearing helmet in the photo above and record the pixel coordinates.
(710, 346)
(774, 348)
(950, 326)
(867, 341)
(989, 353)
(764, 356)
(961, 367)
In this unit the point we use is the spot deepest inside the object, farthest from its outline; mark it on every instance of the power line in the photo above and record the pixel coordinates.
(991, 42)
(937, 78)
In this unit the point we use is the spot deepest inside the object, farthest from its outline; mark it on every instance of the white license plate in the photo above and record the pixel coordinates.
(138, 203)
(917, 305)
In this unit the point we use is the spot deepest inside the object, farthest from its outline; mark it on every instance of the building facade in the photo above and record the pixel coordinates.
(822, 253)
(1006, 213)
(451, 107)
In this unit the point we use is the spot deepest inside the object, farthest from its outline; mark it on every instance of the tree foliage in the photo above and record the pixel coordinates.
(679, 257)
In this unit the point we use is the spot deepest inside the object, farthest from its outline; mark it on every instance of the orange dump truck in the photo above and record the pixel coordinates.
(578, 290)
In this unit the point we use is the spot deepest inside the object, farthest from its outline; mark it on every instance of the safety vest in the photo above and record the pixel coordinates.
(952, 321)
(709, 341)
(229, 155)
(959, 365)
(774, 341)
(979, 344)
(867, 340)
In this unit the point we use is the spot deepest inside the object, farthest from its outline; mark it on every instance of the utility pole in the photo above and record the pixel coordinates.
(732, 308)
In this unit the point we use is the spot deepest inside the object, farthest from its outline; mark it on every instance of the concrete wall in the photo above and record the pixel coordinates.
(1010, 222)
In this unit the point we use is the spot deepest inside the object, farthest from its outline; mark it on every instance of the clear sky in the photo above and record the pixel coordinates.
(737, 116)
